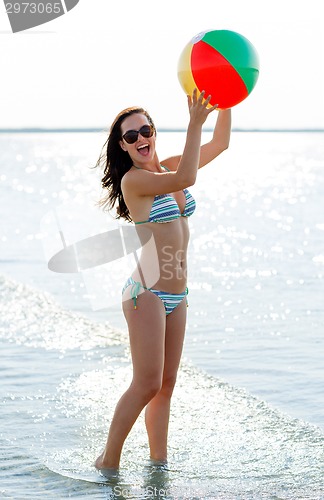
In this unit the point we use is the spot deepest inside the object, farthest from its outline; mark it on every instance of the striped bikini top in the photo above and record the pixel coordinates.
(166, 209)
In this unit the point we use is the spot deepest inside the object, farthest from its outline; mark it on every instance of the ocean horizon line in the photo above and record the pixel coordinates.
(28, 130)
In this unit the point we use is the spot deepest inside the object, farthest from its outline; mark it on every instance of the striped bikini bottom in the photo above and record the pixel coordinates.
(170, 300)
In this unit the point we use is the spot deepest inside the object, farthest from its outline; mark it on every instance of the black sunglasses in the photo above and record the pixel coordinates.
(131, 136)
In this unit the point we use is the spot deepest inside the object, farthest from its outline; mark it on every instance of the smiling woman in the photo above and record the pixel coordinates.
(154, 195)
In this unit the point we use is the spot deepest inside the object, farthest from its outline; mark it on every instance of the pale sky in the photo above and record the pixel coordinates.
(81, 69)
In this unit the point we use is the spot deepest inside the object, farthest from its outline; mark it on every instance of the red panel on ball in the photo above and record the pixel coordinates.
(214, 74)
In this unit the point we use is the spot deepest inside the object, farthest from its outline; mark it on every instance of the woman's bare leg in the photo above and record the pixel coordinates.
(158, 409)
(146, 327)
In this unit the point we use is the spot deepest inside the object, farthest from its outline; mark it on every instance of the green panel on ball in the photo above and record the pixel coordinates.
(239, 52)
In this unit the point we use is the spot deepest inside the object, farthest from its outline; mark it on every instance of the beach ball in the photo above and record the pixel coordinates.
(223, 63)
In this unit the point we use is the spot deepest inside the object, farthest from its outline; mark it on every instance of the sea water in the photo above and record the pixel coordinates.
(247, 413)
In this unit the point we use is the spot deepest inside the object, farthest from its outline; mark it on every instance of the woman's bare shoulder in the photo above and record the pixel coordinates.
(128, 180)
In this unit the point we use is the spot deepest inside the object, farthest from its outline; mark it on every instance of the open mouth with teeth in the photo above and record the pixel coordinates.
(143, 149)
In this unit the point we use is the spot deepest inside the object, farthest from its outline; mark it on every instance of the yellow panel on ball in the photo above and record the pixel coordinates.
(184, 70)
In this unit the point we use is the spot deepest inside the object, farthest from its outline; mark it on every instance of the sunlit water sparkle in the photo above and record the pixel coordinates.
(247, 415)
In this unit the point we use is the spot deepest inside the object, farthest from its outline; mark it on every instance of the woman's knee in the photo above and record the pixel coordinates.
(148, 388)
(168, 385)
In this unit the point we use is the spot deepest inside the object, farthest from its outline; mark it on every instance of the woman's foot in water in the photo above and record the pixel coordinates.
(104, 469)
